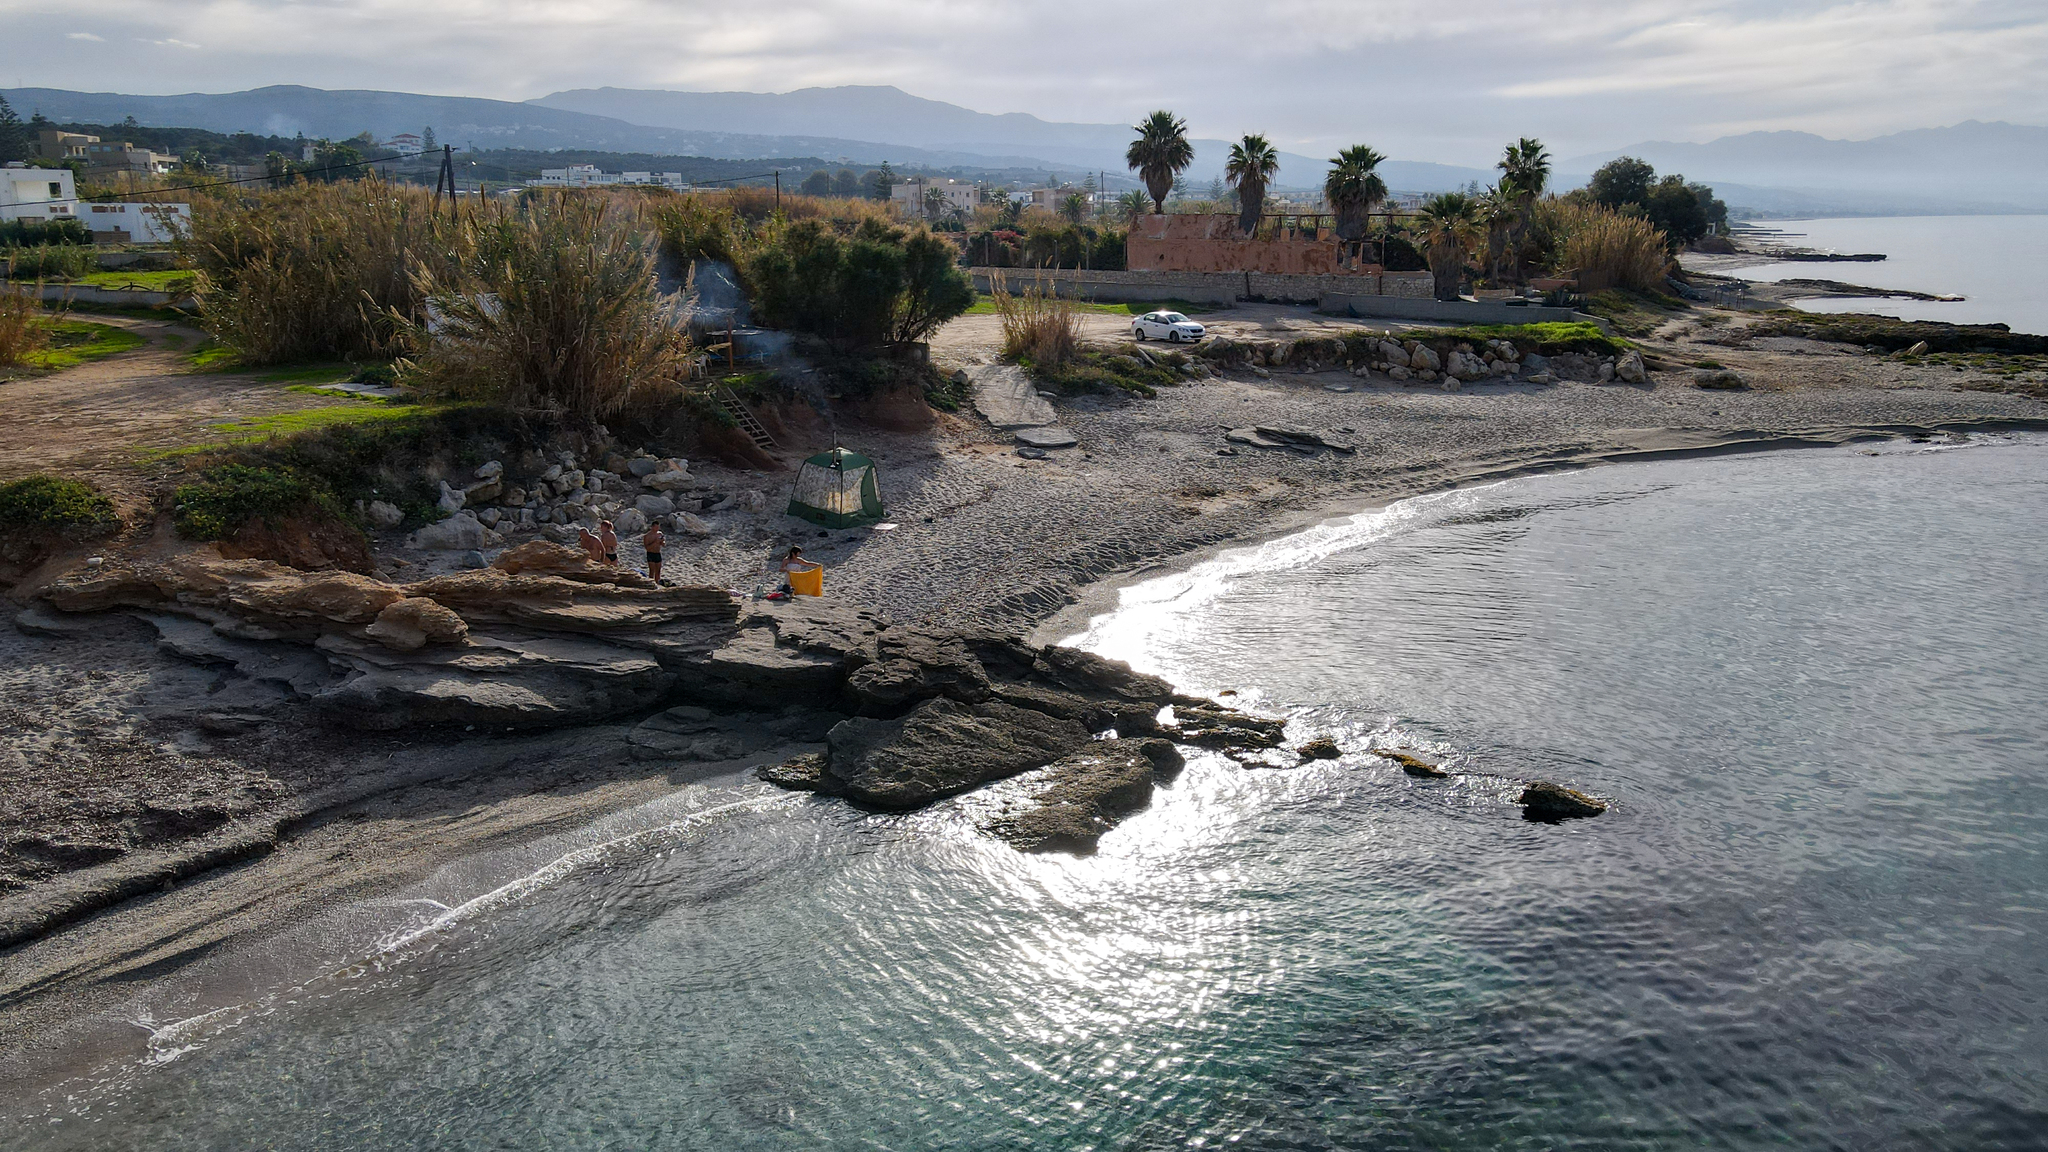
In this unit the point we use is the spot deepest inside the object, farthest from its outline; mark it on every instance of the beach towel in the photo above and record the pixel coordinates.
(811, 583)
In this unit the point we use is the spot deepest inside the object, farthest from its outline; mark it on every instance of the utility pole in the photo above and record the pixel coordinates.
(778, 189)
(447, 177)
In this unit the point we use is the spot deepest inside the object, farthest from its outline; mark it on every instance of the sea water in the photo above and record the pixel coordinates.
(1809, 683)
(1990, 261)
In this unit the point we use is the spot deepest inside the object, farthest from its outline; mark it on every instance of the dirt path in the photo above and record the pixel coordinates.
(99, 420)
(975, 339)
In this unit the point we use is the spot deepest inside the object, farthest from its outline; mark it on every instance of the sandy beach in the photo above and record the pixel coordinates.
(98, 728)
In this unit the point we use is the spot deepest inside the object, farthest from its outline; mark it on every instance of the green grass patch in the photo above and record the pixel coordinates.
(74, 342)
(987, 307)
(1633, 313)
(1093, 371)
(174, 280)
(1548, 339)
(211, 357)
(357, 411)
(295, 460)
(324, 373)
(51, 502)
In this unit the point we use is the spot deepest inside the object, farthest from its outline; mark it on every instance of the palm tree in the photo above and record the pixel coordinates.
(1496, 209)
(1448, 224)
(1074, 208)
(1525, 172)
(1253, 164)
(1353, 189)
(1129, 207)
(1159, 154)
(935, 202)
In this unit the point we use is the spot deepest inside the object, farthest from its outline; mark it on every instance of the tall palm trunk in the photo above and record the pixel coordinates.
(1446, 268)
(1251, 205)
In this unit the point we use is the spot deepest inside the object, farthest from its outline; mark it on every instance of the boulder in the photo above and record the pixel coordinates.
(803, 773)
(629, 522)
(670, 481)
(1606, 372)
(1397, 372)
(691, 525)
(1320, 748)
(655, 505)
(942, 747)
(1534, 362)
(383, 516)
(643, 466)
(458, 533)
(751, 500)
(1629, 368)
(490, 470)
(1542, 800)
(1394, 354)
(1424, 357)
(451, 500)
(412, 623)
(1080, 796)
(1719, 379)
(1410, 763)
(913, 666)
(489, 517)
(1465, 366)
(1087, 673)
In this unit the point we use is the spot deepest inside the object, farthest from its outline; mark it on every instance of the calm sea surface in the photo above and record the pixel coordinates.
(1810, 683)
(1992, 261)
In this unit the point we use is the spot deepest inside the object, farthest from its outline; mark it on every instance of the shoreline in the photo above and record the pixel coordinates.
(266, 894)
(986, 540)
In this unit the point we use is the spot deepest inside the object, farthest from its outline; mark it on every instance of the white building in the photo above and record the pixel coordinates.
(135, 223)
(405, 144)
(591, 176)
(36, 193)
(908, 196)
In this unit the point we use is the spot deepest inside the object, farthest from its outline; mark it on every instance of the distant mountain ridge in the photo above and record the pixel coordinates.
(1972, 164)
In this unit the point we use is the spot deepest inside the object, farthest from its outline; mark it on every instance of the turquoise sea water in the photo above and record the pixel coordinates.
(1809, 682)
(1991, 261)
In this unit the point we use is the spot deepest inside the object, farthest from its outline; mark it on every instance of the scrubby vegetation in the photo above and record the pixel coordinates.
(551, 308)
(1089, 370)
(1606, 248)
(24, 326)
(321, 271)
(1040, 326)
(48, 262)
(56, 504)
(1548, 339)
(877, 287)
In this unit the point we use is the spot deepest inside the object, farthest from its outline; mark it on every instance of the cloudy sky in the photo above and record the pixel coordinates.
(1443, 80)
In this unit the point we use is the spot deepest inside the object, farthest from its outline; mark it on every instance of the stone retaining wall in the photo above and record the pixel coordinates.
(1459, 311)
(1207, 287)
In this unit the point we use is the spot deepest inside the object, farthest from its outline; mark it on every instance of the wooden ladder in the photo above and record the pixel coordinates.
(744, 417)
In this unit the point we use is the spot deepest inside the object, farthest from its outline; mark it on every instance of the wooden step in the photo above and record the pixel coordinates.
(744, 417)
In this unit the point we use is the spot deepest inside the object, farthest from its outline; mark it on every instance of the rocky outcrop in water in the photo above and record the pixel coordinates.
(1080, 796)
(1542, 800)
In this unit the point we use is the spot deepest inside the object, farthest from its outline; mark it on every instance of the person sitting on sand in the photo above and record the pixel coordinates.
(653, 542)
(795, 562)
(591, 545)
(610, 540)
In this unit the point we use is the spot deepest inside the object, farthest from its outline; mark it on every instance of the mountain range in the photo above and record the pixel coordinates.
(1968, 167)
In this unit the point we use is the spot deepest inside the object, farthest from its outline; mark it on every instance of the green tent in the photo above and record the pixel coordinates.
(837, 489)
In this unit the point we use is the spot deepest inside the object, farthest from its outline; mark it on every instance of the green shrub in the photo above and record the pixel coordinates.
(55, 503)
(880, 286)
(49, 262)
(1091, 371)
(26, 233)
(227, 495)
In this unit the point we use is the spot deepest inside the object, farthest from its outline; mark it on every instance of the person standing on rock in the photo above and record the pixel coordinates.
(610, 540)
(653, 542)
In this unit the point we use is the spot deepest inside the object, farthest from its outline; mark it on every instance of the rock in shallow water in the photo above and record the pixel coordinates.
(1081, 796)
(1411, 764)
(1320, 748)
(1543, 800)
(941, 748)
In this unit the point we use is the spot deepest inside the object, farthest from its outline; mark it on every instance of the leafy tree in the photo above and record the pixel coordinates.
(278, 169)
(1621, 182)
(1009, 212)
(1253, 164)
(427, 143)
(882, 181)
(818, 183)
(333, 162)
(846, 183)
(1353, 189)
(14, 137)
(879, 286)
(1447, 224)
(1160, 153)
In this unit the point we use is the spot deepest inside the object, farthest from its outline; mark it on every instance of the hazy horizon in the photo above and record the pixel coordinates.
(1415, 79)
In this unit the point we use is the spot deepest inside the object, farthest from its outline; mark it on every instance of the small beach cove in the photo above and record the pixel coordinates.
(1315, 954)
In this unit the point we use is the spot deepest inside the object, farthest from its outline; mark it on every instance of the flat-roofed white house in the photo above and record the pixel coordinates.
(591, 176)
(406, 144)
(134, 223)
(36, 193)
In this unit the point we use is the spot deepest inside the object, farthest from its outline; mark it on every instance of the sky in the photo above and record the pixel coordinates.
(1444, 80)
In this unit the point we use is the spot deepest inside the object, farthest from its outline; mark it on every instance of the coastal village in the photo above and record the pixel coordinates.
(336, 483)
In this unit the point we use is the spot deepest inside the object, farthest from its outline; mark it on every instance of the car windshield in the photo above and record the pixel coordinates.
(1174, 318)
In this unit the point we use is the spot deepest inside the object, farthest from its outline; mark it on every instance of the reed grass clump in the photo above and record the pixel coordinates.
(318, 271)
(1608, 248)
(554, 310)
(24, 325)
(1040, 326)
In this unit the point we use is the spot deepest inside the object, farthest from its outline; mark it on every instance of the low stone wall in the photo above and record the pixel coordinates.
(1457, 312)
(1206, 287)
(119, 297)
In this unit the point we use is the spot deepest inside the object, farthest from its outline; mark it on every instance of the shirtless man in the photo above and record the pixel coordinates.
(591, 545)
(653, 542)
(610, 540)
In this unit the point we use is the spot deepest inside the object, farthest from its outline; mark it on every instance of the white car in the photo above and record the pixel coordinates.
(1171, 327)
